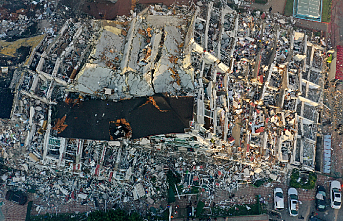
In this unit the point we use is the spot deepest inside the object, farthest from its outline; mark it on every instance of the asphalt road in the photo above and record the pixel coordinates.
(331, 214)
(306, 209)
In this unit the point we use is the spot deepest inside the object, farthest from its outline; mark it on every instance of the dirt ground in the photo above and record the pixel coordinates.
(106, 10)
(278, 6)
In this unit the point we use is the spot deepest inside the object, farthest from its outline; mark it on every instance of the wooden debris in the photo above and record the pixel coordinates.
(153, 102)
(60, 126)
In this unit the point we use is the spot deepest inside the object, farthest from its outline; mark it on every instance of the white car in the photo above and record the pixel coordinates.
(279, 201)
(335, 194)
(293, 202)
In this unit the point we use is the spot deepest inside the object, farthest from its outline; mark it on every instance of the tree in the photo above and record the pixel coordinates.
(200, 208)
(171, 195)
(173, 178)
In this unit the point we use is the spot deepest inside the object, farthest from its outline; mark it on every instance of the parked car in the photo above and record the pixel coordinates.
(279, 201)
(335, 194)
(190, 211)
(321, 199)
(315, 218)
(16, 196)
(293, 202)
(274, 213)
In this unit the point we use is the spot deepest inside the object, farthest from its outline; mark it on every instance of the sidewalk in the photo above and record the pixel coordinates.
(311, 25)
(278, 6)
(246, 194)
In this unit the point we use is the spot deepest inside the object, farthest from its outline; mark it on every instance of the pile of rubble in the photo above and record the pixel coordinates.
(257, 83)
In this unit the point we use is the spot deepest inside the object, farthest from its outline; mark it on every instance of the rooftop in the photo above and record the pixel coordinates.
(139, 58)
(308, 9)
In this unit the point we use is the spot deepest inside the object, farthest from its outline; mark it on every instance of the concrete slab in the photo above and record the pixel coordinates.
(236, 132)
(332, 72)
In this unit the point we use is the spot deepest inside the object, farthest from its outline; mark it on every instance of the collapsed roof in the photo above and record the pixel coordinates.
(140, 58)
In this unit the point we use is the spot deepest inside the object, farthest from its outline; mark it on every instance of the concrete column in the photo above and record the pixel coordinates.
(209, 10)
(200, 106)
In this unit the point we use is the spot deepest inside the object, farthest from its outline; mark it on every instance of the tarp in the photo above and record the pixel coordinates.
(327, 153)
(6, 102)
(146, 116)
(330, 59)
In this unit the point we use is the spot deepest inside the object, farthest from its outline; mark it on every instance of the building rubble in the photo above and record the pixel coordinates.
(272, 94)
(257, 85)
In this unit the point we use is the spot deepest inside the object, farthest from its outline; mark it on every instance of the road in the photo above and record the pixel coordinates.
(306, 209)
(331, 214)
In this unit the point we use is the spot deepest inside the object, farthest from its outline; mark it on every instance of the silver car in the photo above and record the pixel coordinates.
(279, 201)
(335, 194)
(293, 202)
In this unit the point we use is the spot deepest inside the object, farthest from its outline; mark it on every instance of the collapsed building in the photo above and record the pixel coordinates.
(266, 107)
(241, 89)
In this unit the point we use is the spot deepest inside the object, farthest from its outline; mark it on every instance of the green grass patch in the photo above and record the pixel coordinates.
(326, 13)
(317, 33)
(289, 8)
(261, 1)
(304, 181)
